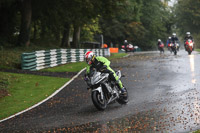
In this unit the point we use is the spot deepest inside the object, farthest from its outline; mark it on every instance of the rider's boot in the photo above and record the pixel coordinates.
(121, 87)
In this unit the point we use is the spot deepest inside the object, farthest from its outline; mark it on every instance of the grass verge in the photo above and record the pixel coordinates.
(77, 66)
(23, 91)
(197, 50)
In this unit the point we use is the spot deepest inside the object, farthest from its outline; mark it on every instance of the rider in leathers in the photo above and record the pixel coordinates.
(188, 36)
(169, 41)
(102, 64)
(174, 38)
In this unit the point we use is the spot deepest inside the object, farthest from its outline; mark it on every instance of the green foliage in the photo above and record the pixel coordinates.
(140, 22)
(26, 90)
(69, 67)
(89, 30)
(188, 18)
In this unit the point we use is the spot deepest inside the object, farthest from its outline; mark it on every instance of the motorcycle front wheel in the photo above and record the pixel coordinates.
(98, 102)
(189, 52)
(175, 52)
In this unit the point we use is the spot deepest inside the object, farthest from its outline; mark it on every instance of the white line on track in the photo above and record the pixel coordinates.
(56, 92)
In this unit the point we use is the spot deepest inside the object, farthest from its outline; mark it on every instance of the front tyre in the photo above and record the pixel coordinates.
(123, 99)
(175, 52)
(98, 102)
(189, 52)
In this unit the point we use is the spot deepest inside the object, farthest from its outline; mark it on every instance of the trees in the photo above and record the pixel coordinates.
(139, 21)
(26, 14)
(8, 23)
(188, 18)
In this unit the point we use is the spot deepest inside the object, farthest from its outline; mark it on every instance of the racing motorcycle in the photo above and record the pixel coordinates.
(104, 91)
(175, 47)
(169, 47)
(161, 48)
(189, 46)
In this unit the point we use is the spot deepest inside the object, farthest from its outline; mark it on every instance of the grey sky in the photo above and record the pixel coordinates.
(171, 3)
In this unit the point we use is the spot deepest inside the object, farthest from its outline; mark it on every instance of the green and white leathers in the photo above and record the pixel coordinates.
(100, 61)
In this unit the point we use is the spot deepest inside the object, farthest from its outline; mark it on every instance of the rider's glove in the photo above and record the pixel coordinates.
(86, 78)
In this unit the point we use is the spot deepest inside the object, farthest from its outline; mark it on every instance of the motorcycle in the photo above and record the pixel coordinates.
(128, 48)
(189, 46)
(169, 47)
(174, 47)
(104, 91)
(161, 48)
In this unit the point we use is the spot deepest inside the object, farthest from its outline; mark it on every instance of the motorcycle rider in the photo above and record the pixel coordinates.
(169, 40)
(159, 43)
(175, 39)
(188, 36)
(102, 64)
(125, 45)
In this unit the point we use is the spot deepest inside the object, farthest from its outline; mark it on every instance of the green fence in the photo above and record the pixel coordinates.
(49, 58)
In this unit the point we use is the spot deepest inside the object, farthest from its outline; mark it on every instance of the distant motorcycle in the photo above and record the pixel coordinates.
(169, 47)
(128, 48)
(161, 48)
(189, 46)
(175, 47)
(104, 91)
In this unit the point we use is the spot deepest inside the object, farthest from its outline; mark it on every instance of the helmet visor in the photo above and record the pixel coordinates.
(88, 61)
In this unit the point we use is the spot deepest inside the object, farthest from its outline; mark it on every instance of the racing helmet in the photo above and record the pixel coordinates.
(89, 57)
(188, 34)
(174, 34)
(170, 37)
(159, 40)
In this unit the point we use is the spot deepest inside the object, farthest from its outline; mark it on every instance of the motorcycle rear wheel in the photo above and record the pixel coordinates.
(99, 103)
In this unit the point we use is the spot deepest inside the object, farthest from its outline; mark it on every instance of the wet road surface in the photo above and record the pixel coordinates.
(164, 96)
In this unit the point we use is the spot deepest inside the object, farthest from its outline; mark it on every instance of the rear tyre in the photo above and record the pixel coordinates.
(99, 103)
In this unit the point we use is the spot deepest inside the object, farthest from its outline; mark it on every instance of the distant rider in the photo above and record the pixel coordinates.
(102, 64)
(188, 36)
(169, 41)
(160, 43)
(175, 39)
(125, 45)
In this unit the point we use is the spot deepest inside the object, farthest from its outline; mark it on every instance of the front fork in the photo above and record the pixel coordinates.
(99, 89)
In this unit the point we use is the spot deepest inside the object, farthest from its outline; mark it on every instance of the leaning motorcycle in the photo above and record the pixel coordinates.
(189, 46)
(104, 91)
(175, 47)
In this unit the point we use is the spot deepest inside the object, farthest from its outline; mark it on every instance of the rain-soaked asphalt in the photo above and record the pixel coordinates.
(164, 96)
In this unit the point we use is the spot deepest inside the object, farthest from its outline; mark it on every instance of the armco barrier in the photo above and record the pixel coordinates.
(49, 58)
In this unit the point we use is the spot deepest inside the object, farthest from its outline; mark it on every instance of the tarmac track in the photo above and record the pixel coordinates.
(163, 97)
